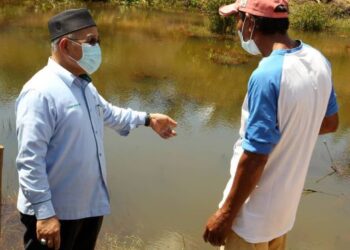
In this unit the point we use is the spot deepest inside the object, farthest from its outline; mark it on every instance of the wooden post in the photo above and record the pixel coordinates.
(1, 164)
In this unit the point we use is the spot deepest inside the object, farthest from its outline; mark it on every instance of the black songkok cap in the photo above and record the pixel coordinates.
(69, 21)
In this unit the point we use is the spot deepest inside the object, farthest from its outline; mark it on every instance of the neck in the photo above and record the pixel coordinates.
(68, 65)
(269, 43)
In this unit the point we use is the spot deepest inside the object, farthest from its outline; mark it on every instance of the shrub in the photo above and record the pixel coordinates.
(218, 24)
(310, 17)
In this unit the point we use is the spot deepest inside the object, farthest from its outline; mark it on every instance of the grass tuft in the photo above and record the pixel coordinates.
(310, 17)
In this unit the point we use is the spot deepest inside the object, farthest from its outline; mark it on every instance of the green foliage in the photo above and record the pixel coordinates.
(310, 17)
(305, 16)
(129, 2)
(219, 24)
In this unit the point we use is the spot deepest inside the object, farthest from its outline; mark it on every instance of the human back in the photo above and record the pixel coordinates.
(304, 92)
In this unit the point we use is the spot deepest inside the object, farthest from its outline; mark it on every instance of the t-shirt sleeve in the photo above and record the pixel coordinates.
(262, 132)
(332, 107)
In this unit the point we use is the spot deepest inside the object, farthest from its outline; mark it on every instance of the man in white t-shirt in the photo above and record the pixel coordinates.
(289, 102)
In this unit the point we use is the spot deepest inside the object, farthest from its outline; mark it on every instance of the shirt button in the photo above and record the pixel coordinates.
(100, 154)
(96, 132)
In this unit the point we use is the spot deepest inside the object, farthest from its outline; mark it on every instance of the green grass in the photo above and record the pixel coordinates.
(341, 24)
(310, 17)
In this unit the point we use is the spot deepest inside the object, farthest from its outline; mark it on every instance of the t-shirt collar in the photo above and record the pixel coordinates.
(288, 51)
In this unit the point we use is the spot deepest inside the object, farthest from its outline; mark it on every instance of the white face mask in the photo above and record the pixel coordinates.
(250, 45)
(91, 58)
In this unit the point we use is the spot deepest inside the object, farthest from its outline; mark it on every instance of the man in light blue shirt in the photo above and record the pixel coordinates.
(63, 192)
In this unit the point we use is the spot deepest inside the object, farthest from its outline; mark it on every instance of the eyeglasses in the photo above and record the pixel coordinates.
(92, 40)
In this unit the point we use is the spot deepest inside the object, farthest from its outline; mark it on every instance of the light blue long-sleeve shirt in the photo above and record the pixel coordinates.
(61, 163)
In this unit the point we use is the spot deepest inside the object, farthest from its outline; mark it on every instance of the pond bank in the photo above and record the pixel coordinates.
(307, 15)
(12, 231)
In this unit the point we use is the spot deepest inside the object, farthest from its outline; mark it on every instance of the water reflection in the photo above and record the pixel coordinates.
(162, 192)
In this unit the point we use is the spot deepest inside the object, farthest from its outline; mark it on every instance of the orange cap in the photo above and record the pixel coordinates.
(262, 8)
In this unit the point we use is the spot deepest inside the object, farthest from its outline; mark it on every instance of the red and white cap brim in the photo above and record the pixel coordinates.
(228, 10)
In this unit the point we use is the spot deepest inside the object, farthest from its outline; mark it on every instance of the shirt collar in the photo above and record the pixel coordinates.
(86, 78)
(288, 51)
(66, 76)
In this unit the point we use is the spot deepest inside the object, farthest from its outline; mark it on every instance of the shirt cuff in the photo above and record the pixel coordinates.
(138, 118)
(44, 210)
(141, 118)
(256, 147)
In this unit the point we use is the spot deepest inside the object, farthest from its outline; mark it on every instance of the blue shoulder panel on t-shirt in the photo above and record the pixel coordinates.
(262, 132)
(332, 107)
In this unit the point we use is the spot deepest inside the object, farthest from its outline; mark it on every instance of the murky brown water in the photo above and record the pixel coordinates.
(163, 191)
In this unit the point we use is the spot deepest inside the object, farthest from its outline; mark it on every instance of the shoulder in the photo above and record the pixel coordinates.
(313, 52)
(311, 49)
(268, 75)
(41, 86)
(39, 81)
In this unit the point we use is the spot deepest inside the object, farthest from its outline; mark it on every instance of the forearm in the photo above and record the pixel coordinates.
(120, 119)
(248, 174)
(35, 187)
(124, 120)
(329, 124)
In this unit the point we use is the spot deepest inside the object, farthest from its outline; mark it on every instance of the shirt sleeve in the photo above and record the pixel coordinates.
(262, 132)
(332, 107)
(121, 120)
(34, 127)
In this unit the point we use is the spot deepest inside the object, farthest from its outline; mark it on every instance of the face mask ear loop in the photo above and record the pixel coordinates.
(70, 55)
(74, 42)
(245, 18)
(251, 35)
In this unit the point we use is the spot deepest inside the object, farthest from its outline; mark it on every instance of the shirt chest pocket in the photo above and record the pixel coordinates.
(96, 111)
(99, 113)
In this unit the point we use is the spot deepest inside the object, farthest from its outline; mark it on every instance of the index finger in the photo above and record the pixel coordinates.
(172, 122)
(205, 235)
(57, 241)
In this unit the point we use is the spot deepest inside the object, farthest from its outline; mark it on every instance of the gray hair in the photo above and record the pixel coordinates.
(54, 43)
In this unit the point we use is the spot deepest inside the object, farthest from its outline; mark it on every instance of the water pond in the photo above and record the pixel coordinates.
(162, 192)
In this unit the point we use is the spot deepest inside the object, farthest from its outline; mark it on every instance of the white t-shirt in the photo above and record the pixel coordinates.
(289, 94)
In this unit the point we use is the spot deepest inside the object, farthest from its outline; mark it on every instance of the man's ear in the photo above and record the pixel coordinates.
(62, 44)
